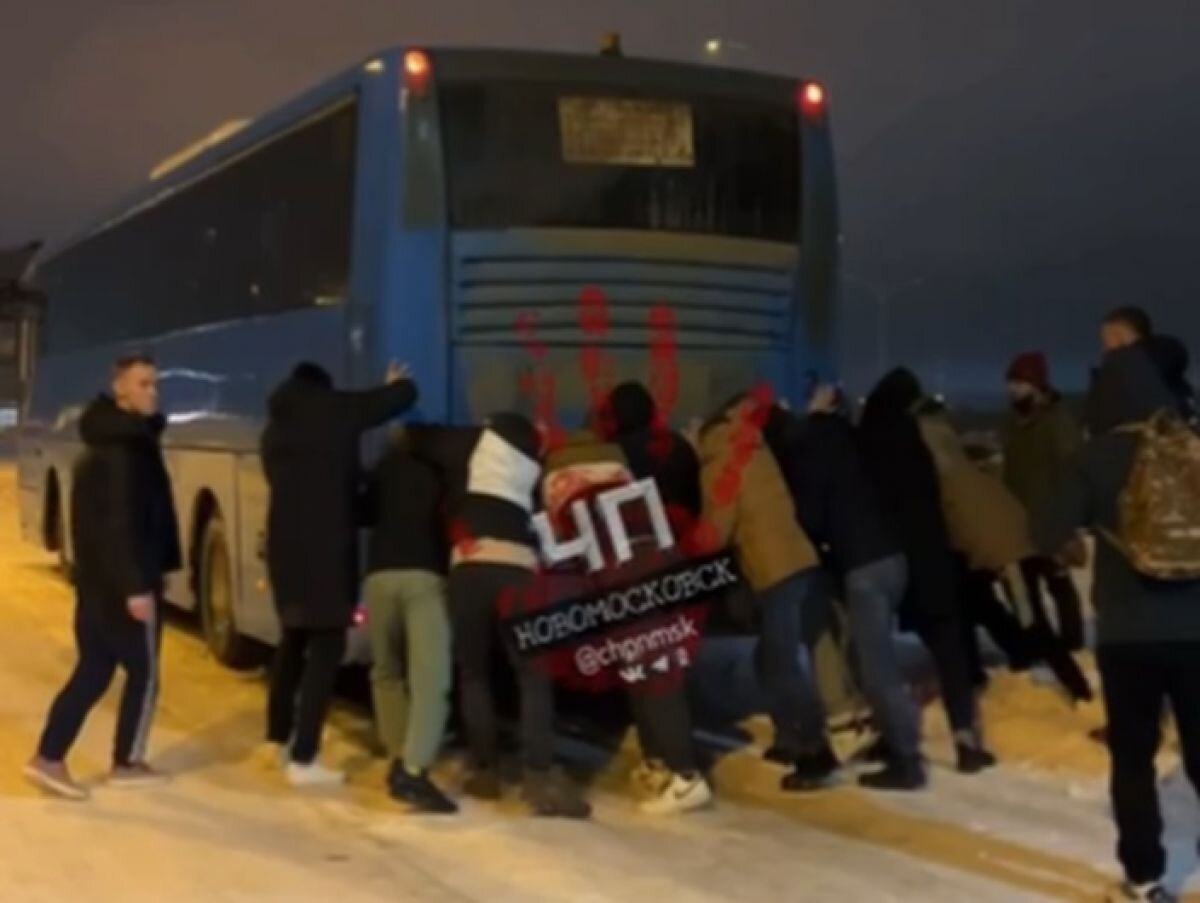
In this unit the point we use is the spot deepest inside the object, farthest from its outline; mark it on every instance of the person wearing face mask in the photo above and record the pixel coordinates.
(1041, 439)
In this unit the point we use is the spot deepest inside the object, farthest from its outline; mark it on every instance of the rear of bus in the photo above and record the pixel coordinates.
(556, 202)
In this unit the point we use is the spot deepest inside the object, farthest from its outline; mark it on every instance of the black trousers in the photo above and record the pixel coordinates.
(106, 641)
(1022, 644)
(474, 592)
(1138, 679)
(1065, 596)
(944, 638)
(303, 678)
(664, 723)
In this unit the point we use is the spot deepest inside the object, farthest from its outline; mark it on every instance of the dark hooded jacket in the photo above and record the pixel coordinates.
(1130, 608)
(835, 499)
(652, 451)
(905, 480)
(1170, 357)
(310, 451)
(404, 507)
(490, 477)
(123, 526)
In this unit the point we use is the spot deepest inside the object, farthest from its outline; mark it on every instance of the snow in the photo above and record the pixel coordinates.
(228, 829)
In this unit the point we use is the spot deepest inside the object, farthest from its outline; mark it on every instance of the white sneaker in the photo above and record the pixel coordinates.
(682, 794)
(649, 778)
(313, 775)
(1150, 893)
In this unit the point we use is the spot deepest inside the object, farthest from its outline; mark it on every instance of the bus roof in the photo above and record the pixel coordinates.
(237, 137)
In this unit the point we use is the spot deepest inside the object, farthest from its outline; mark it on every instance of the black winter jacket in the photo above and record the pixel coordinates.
(310, 451)
(123, 526)
(404, 508)
(490, 476)
(654, 452)
(905, 480)
(835, 500)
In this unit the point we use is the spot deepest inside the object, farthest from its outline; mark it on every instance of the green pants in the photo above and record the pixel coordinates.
(411, 662)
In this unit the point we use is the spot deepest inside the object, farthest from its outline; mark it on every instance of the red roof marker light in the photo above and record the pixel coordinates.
(812, 98)
(417, 70)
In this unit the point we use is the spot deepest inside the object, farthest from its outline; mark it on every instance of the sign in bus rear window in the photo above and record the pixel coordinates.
(626, 132)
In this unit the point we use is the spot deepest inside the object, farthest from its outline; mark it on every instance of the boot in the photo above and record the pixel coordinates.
(484, 784)
(812, 771)
(973, 758)
(907, 773)
(552, 794)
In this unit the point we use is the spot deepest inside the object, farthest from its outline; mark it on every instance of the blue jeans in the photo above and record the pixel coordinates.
(784, 668)
(873, 594)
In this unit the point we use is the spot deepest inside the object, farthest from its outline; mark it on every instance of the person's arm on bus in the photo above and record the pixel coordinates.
(373, 407)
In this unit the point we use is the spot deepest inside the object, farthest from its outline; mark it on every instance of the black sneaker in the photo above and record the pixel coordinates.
(973, 759)
(417, 791)
(484, 784)
(811, 771)
(551, 794)
(898, 774)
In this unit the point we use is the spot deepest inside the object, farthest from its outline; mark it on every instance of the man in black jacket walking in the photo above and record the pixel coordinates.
(126, 539)
(310, 452)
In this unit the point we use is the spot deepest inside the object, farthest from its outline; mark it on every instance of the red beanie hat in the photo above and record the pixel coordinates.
(1031, 368)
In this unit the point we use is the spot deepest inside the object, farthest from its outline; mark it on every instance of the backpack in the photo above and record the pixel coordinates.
(1158, 513)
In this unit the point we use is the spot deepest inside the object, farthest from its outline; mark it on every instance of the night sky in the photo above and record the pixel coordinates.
(1008, 169)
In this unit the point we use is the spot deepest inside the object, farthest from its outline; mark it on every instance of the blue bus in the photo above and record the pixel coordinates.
(415, 208)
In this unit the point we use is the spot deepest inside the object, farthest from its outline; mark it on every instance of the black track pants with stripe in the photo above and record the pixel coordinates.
(104, 643)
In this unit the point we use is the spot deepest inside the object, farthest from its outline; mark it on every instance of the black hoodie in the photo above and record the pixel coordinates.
(310, 451)
(652, 451)
(123, 527)
(1130, 608)
(906, 486)
(835, 499)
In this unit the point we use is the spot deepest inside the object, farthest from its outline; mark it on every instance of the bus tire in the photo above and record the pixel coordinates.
(54, 526)
(215, 583)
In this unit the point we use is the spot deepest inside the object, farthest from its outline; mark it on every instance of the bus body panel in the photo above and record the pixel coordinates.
(731, 306)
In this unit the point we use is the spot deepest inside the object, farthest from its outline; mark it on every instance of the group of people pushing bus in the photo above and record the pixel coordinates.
(891, 507)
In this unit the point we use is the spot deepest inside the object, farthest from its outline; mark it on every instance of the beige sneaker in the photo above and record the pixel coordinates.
(55, 778)
(135, 775)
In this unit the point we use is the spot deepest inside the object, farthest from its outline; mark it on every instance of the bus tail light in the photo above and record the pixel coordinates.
(417, 72)
(811, 98)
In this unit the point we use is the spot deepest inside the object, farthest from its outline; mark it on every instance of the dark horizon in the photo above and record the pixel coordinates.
(1032, 162)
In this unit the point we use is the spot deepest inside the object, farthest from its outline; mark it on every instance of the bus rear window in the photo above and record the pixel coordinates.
(528, 155)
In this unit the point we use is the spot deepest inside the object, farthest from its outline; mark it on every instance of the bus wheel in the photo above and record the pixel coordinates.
(216, 599)
(54, 526)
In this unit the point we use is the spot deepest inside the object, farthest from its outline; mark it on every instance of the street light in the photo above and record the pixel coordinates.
(883, 295)
(719, 48)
